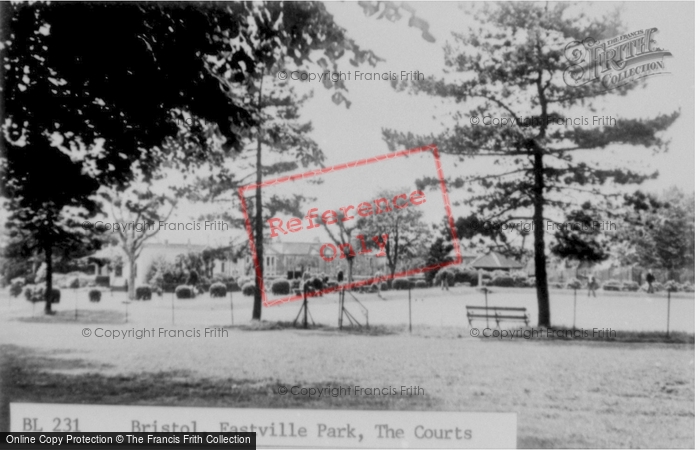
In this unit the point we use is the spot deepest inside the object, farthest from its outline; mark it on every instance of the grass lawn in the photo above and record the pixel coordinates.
(636, 391)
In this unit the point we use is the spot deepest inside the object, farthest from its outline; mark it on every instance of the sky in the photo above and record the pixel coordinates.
(348, 134)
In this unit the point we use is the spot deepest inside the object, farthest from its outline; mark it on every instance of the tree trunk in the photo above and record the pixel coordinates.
(48, 298)
(132, 278)
(540, 257)
(350, 263)
(259, 270)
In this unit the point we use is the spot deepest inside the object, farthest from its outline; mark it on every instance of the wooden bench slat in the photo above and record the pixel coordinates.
(484, 316)
(497, 308)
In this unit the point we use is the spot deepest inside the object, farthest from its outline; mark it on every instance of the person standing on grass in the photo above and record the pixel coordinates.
(650, 282)
(443, 281)
(592, 285)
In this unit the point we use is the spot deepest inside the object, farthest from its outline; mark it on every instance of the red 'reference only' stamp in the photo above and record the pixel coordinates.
(347, 212)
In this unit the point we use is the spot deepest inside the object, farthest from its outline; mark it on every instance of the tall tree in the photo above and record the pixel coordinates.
(581, 237)
(282, 36)
(400, 232)
(343, 237)
(90, 88)
(512, 66)
(660, 232)
(137, 211)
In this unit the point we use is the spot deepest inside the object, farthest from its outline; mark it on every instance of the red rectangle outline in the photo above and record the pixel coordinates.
(360, 162)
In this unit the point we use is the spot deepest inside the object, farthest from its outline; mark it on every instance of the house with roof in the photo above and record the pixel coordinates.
(284, 259)
(495, 261)
(103, 261)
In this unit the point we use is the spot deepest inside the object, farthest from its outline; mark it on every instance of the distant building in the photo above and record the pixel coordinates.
(282, 258)
(151, 251)
(495, 261)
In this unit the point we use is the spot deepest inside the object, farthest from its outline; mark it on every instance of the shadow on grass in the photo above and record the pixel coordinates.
(27, 377)
(110, 317)
(372, 330)
(264, 325)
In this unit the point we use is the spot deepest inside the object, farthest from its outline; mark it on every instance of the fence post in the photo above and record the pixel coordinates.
(575, 307)
(668, 315)
(410, 326)
(230, 297)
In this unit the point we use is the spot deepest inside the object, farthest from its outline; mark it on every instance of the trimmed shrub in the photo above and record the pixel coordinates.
(384, 286)
(95, 295)
(317, 283)
(612, 285)
(631, 286)
(574, 284)
(672, 286)
(400, 283)
(16, 287)
(281, 287)
(421, 284)
(35, 293)
(143, 293)
(217, 290)
(249, 289)
(184, 292)
(502, 282)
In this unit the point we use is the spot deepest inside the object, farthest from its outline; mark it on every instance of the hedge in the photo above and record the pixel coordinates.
(503, 282)
(470, 276)
(217, 290)
(421, 284)
(400, 283)
(35, 293)
(281, 287)
(384, 286)
(249, 289)
(143, 293)
(184, 292)
(16, 288)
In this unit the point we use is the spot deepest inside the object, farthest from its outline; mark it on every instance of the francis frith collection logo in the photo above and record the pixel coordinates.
(615, 62)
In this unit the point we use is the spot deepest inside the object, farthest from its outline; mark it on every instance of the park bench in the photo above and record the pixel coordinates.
(499, 314)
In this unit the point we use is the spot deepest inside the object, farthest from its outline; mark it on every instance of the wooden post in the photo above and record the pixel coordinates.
(230, 297)
(306, 321)
(486, 299)
(668, 316)
(410, 325)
